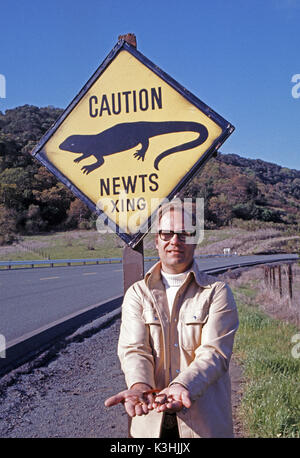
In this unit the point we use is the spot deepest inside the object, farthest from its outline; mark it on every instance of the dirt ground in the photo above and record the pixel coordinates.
(237, 381)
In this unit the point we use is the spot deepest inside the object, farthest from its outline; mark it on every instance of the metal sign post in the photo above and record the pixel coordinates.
(133, 265)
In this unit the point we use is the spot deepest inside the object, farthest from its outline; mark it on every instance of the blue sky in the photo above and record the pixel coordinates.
(237, 56)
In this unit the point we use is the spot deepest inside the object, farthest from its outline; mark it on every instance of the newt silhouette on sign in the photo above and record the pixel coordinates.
(122, 137)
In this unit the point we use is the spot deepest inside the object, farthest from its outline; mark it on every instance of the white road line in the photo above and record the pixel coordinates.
(48, 278)
(90, 273)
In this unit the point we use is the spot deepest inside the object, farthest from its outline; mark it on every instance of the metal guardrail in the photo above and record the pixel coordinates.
(69, 262)
(243, 264)
(51, 262)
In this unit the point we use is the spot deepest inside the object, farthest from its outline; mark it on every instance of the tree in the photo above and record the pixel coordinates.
(34, 222)
(77, 214)
(220, 210)
(8, 219)
(54, 203)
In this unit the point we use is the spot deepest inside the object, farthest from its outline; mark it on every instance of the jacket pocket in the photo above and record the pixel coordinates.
(151, 317)
(191, 328)
(155, 331)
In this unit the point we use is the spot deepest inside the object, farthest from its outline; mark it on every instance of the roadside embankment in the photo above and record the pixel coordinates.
(267, 351)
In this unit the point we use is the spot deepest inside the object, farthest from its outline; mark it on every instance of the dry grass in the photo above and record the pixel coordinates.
(245, 242)
(264, 348)
(268, 298)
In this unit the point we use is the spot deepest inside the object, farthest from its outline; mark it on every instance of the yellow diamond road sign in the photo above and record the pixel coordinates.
(131, 138)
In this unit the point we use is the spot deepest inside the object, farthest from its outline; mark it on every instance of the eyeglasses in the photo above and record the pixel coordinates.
(166, 236)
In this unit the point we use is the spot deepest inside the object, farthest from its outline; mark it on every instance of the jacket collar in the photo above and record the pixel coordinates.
(201, 278)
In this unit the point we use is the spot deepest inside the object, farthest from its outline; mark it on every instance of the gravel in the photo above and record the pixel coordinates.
(61, 393)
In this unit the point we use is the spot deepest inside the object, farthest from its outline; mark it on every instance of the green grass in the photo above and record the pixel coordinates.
(72, 245)
(81, 244)
(271, 401)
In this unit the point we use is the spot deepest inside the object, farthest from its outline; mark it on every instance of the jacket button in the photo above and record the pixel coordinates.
(175, 344)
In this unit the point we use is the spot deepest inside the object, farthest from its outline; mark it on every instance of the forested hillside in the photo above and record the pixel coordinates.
(236, 188)
(32, 200)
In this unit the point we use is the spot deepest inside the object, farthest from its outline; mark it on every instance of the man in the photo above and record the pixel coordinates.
(176, 336)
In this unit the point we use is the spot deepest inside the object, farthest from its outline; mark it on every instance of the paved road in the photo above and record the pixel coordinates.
(32, 298)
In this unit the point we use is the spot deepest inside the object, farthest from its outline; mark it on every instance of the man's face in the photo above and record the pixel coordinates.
(176, 256)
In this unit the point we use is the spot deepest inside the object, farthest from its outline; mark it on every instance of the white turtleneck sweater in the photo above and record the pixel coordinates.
(172, 283)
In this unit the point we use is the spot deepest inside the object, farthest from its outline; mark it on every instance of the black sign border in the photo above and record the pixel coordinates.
(227, 129)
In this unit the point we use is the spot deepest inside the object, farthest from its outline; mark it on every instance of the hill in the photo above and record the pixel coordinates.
(237, 191)
(235, 188)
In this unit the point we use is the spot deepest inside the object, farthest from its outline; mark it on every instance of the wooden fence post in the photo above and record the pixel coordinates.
(290, 280)
(272, 277)
(266, 275)
(279, 280)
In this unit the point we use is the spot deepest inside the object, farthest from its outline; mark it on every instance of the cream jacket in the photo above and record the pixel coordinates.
(192, 347)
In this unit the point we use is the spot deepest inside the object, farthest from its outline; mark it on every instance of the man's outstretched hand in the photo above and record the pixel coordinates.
(139, 399)
(136, 400)
(172, 399)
